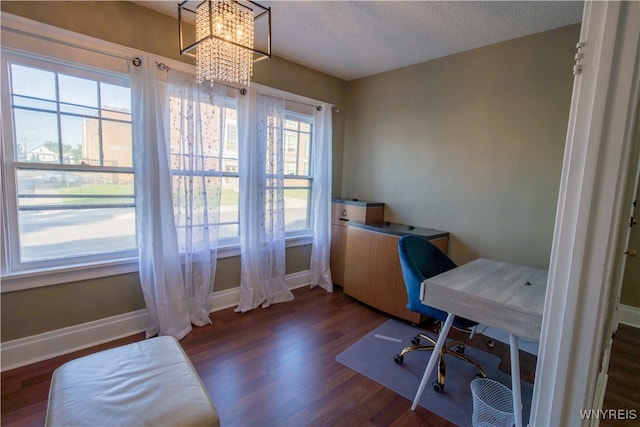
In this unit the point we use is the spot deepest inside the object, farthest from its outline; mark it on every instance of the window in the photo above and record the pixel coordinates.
(223, 156)
(297, 166)
(220, 158)
(68, 177)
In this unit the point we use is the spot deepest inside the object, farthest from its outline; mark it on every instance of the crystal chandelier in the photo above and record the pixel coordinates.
(224, 39)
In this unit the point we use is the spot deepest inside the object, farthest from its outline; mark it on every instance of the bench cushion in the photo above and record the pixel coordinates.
(148, 383)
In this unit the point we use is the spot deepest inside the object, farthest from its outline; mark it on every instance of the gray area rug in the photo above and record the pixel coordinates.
(372, 356)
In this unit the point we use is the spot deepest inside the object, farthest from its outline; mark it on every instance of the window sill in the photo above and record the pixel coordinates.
(291, 242)
(55, 276)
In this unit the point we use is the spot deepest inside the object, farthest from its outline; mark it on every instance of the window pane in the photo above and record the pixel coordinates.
(290, 142)
(34, 103)
(304, 155)
(223, 188)
(297, 158)
(291, 124)
(78, 91)
(64, 214)
(230, 165)
(296, 209)
(297, 183)
(78, 110)
(229, 208)
(117, 144)
(62, 233)
(229, 196)
(32, 82)
(228, 231)
(231, 136)
(62, 187)
(115, 102)
(217, 160)
(76, 131)
(209, 162)
(115, 98)
(58, 179)
(36, 143)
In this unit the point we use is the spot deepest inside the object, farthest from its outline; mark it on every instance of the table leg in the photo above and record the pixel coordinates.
(442, 337)
(515, 379)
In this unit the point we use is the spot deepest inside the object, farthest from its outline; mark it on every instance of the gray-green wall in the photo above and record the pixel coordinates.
(470, 143)
(34, 311)
(630, 294)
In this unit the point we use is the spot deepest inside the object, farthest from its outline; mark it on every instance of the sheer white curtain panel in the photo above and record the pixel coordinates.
(262, 232)
(321, 198)
(195, 134)
(159, 259)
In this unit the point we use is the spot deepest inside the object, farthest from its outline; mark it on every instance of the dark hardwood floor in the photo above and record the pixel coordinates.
(273, 367)
(623, 385)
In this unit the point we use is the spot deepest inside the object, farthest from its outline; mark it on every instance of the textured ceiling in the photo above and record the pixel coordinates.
(354, 39)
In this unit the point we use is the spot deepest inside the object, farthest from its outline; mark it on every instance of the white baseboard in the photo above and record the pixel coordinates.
(629, 315)
(36, 348)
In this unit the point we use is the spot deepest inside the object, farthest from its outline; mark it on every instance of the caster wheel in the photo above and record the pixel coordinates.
(438, 387)
(460, 349)
(415, 341)
(398, 359)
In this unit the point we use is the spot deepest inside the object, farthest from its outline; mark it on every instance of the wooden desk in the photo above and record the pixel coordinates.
(506, 296)
(372, 266)
(342, 213)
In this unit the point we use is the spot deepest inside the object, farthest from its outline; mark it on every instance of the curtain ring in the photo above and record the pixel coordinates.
(243, 91)
(319, 108)
(137, 61)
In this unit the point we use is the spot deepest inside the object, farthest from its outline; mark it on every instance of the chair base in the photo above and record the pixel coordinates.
(453, 348)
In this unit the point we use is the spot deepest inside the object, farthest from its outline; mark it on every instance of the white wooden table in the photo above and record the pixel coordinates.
(506, 296)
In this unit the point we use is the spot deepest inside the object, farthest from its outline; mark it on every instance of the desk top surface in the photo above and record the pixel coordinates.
(499, 294)
(400, 229)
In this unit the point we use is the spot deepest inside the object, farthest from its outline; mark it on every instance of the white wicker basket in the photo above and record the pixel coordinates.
(492, 404)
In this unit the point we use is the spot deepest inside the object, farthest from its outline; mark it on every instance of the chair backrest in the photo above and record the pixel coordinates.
(419, 260)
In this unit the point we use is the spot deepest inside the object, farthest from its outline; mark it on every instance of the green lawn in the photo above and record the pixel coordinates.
(90, 190)
(102, 189)
(228, 196)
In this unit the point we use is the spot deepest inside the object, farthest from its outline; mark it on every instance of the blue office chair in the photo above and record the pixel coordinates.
(419, 260)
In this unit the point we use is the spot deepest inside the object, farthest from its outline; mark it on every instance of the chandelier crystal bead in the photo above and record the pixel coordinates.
(227, 55)
(224, 42)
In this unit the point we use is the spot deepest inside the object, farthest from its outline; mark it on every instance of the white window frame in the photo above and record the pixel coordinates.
(32, 32)
(12, 165)
(302, 118)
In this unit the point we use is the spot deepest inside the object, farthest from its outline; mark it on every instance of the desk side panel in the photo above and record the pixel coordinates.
(373, 274)
(511, 319)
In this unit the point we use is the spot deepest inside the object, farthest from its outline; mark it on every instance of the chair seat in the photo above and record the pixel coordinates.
(420, 260)
(439, 315)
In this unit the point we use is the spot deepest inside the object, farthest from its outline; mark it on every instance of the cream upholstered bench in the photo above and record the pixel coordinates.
(148, 383)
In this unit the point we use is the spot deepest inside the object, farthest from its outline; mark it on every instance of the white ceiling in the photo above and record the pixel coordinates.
(354, 39)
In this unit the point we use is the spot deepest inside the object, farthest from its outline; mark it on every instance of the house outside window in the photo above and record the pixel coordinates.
(68, 168)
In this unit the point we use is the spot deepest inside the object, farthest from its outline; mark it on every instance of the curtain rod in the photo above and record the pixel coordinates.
(164, 67)
(69, 44)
